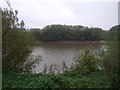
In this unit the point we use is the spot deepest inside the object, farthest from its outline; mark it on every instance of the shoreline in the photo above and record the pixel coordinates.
(68, 41)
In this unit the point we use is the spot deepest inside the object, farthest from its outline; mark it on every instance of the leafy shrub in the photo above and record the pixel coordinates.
(16, 41)
(85, 63)
(51, 80)
(111, 61)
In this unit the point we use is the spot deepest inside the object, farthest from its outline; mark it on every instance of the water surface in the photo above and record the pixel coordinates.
(55, 53)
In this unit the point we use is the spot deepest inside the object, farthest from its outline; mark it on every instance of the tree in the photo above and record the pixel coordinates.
(112, 57)
(65, 32)
(22, 24)
(16, 43)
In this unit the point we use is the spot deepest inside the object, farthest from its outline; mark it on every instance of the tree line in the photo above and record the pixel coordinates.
(68, 32)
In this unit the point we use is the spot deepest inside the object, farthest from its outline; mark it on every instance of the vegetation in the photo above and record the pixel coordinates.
(50, 80)
(82, 75)
(111, 61)
(65, 32)
(85, 73)
(85, 63)
(16, 41)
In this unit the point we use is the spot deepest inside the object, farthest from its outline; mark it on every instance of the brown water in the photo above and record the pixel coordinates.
(55, 53)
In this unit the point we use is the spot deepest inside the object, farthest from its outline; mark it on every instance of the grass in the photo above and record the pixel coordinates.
(51, 80)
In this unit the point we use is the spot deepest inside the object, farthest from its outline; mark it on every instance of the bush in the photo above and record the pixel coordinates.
(85, 63)
(50, 80)
(16, 41)
(111, 60)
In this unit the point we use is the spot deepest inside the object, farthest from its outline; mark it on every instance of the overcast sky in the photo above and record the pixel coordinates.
(39, 13)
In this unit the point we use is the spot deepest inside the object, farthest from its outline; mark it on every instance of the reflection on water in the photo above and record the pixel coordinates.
(56, 54)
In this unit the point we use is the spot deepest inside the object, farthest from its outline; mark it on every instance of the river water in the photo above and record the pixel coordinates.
(59, 54)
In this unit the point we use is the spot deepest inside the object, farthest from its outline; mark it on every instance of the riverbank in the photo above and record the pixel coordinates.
(86, 42)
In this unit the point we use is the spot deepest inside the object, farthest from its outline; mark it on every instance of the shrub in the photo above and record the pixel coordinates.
(16, 42)
(85, 63)
(111, 61)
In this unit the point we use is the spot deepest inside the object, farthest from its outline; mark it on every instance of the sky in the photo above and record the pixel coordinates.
(92, 13)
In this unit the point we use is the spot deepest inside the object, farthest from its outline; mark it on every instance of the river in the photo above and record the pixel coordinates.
(57, 54)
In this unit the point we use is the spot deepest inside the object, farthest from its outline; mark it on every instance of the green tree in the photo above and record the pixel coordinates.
(65, 32)
(112, 57)
(16, 42)
(36, 34)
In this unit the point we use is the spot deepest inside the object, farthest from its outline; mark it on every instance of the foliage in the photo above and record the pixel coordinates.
(85, 63)
(50, 80)
(36, 34)
(105, 35)
(65, 32)
(83, 75)
(16, 42)
(111, 60)
(30, 63)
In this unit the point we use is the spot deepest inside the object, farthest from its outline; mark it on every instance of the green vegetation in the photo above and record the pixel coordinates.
(84, 74)
(85, 63)
(65, 32)
(50, 80)
(111, 61)
(17, 43)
